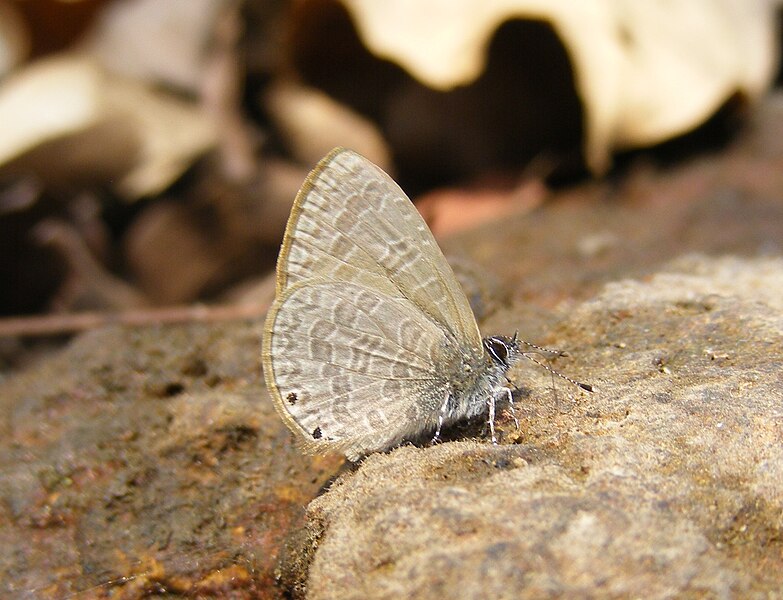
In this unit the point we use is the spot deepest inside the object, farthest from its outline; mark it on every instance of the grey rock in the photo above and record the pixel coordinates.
(667, 482)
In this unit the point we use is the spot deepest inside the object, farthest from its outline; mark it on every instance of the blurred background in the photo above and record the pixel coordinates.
(150, 150)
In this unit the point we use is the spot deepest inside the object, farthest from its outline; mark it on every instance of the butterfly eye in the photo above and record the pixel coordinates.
(497, 349)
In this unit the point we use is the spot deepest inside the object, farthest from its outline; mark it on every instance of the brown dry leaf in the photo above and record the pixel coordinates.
(156, 40)
(67, 119)
(450, 211)
(88, 285)
(645, 70)
(313, 124)
(189, 45)
(169, 254)
(14, 38)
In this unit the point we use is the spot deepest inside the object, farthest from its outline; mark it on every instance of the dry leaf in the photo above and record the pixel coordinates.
(448, 211)
(14, 38)
(645, 70)
(313, 123)
(66, 119)
(156, 40)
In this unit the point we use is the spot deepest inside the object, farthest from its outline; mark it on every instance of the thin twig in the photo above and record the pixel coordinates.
(76, 322)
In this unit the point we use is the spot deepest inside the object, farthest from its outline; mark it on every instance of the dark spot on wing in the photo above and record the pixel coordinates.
(317, 433)
(291, 397)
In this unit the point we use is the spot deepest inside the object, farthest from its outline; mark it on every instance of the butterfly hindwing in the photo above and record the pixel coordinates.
(359, 371)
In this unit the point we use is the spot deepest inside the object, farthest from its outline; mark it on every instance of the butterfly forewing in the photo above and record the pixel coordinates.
(352, 222)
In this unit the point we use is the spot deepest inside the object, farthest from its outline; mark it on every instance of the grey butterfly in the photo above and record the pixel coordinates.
(371, 340)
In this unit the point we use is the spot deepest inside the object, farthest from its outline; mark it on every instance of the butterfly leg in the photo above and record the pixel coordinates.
(491, 403)
(442, 412)
(511, 406)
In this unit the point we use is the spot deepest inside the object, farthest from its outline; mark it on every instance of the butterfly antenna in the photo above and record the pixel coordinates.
(584, 386)
(540, 349)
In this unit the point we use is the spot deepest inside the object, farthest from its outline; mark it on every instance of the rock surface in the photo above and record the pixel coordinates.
(666, 482)
(150, 461)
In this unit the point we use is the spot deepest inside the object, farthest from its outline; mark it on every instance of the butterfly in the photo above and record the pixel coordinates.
(370, 340)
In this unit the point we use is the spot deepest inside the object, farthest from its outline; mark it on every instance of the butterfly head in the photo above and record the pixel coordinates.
(503, 350)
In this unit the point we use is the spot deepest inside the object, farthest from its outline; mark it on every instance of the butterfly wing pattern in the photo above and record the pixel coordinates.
(370, 333)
